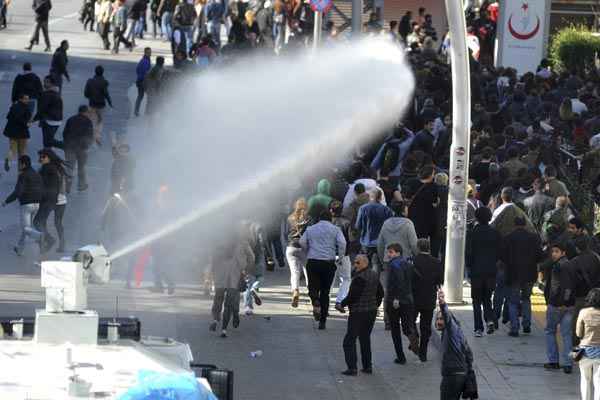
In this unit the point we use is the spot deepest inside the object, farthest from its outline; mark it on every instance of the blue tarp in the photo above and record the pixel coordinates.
(154, 385)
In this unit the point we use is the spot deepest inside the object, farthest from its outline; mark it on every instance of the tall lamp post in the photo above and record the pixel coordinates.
(459, 153)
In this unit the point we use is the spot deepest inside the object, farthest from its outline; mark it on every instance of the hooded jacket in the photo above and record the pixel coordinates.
(321, 200)
(397, 230)
(369, 221)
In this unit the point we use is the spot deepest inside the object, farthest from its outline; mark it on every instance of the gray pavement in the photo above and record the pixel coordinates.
(299, 362)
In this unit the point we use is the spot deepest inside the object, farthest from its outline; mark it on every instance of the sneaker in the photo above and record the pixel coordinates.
(350, 372)
(223, 333)
(367, 370)
(422, 357)
(400, 360)
(6, 165)
(322, 325)
(83, 188)
(18, 251)
(551, 366)
(213, 326)
(295, 299)
(567, 369)
(257, 299)
(513, 334)
(490, 328)
(248, 311)
(338, 306)
(236, 321)
(527, 331)
(478, 333)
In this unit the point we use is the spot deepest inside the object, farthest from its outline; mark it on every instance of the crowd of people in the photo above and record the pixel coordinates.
(377, 229)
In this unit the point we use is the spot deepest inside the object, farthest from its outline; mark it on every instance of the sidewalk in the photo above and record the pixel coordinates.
(512, 368)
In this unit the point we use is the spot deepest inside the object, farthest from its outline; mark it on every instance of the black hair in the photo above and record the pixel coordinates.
(359, 188)
(58, 162)
(483, 215)
(423, 245)
(593, 298)
(25, 160)
(398, 207)
(577, 222)
(82, 108)
(99, 70)
(550, 171)
(160, 60)
(325, 215)
(27, 66)
(559, 245)
(396, 247)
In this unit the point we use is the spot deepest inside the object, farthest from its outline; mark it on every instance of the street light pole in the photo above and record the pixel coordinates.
(459, 153)
(357, 8)
(317, 30)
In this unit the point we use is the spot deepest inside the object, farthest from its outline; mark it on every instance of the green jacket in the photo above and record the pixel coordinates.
(321, 200)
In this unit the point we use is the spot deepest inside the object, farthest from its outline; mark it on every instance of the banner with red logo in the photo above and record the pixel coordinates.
(522, 34)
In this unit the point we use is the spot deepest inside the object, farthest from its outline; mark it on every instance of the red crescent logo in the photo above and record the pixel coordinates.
(523, 36)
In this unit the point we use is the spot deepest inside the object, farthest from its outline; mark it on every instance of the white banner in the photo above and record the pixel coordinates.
(522, 34)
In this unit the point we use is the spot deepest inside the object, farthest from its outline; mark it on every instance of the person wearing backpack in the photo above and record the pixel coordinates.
(184, 17)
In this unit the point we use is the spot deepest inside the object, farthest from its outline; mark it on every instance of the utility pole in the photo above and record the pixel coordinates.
(357, 9)
(459, 153)
(318, 30)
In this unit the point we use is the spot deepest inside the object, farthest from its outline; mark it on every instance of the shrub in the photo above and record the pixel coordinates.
(574, 48)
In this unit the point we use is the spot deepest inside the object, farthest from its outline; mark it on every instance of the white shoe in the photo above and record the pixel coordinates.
(248, 311)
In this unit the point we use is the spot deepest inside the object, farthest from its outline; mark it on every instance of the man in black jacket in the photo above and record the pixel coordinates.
(429, 275)
(42, 11)
(51, 183)
(96, 91)
(78, 135)
(28, 191)
(423, 209)
(364, 298)
(522, 252)
(50, 112)
(27, 83)
(17, 129)
(586, 271)
(399, 305)
(483, 248)
(58, 66)
(560, 299)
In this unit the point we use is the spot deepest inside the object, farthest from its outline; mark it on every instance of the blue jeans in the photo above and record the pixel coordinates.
(188, 32)
(166, 24)
(253, 283)
(520, 294)
(556, 316)
(214, 28)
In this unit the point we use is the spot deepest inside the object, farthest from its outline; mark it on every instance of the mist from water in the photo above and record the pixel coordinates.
(234, 138)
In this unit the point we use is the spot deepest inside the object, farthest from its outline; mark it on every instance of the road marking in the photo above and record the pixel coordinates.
(55, 20)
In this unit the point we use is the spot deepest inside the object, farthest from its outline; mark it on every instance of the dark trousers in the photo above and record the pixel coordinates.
(501, 298)
(140, 96)
(425, 320)
(452, 387)
(40, 221)
(3, 15)
(481, 292)
(273, 238)
(35, 37)
(230, 298)
(402, 316)
(103, 31)
(59, 213)
(118, 38)
(49, 134)
(76, 156)
(320, 277)
(360, 325)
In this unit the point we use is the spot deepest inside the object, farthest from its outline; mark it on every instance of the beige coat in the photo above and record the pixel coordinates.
(588, 327)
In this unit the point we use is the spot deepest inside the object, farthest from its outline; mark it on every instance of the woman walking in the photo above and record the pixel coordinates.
(323, 243)
(17, 129)
(588, 329)
(296, 225)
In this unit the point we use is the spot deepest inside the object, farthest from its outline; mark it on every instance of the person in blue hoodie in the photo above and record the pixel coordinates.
(141, 70)
(399, 302)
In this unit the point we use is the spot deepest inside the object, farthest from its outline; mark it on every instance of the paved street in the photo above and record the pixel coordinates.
(299, 362)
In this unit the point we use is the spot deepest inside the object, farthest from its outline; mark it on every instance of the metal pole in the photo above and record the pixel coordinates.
(318, 29)
(357, 8)
(459, 153)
